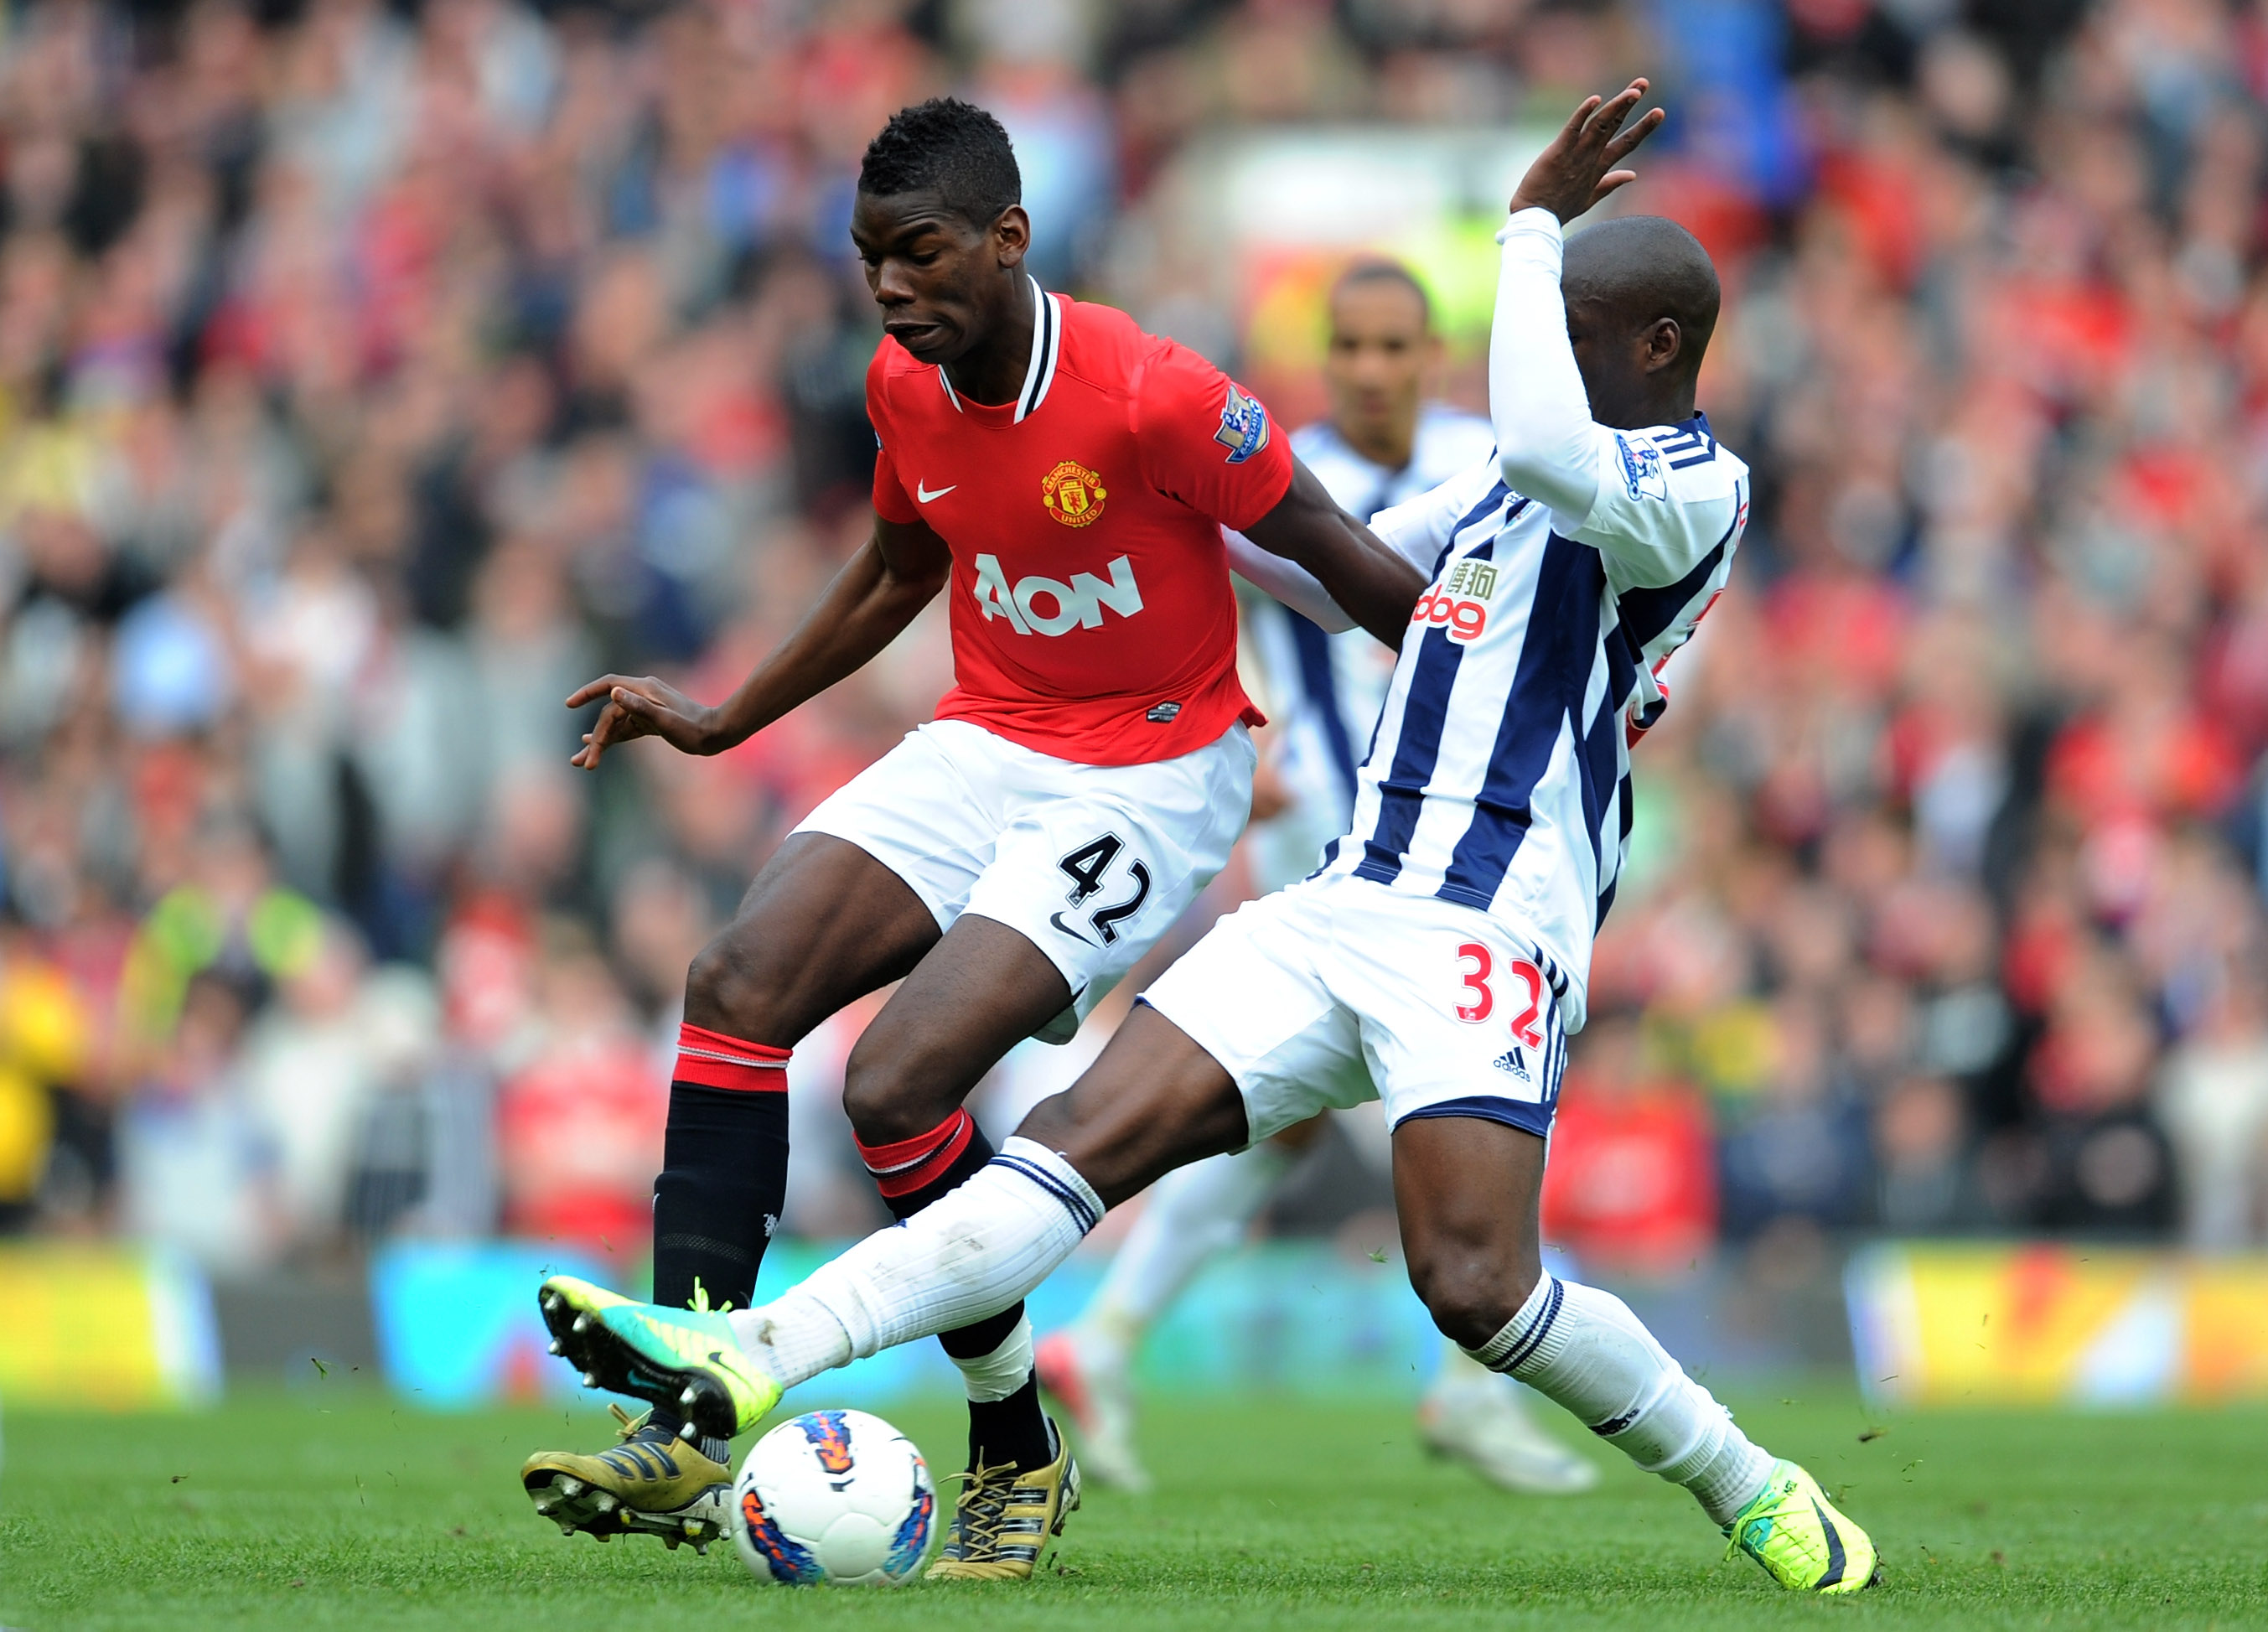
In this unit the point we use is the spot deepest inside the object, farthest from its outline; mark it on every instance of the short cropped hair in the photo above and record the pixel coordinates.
(1380, 269)
(949, 147)
(1642, 268)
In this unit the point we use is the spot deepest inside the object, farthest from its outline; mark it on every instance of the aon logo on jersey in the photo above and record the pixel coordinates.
(1047, 606)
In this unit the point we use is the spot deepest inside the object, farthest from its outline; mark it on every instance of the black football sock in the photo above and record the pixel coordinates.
(723, 1181)
(1013, 1429)
(910, 1174)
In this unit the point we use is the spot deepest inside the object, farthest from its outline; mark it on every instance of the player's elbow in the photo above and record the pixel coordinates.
(1533, 449)
(920, 582)
(1545, 469)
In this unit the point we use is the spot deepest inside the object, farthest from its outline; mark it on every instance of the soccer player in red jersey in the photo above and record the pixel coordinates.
(1065, 479)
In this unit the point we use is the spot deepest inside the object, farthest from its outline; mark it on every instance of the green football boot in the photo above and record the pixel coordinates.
(651, 1483)
(1794, 1531)
(687, 1358)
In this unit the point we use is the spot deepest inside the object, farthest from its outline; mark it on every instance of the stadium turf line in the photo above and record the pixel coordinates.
(335, 1509)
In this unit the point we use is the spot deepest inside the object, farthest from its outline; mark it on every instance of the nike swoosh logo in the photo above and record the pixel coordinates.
(1058, 922)
(922, 492)
(1836, 1560)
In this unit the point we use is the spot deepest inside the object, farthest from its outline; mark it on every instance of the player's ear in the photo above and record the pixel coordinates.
(1664, 343)
(1011, 235)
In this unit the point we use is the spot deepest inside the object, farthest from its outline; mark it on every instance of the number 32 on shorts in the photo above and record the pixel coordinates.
(1478, 966)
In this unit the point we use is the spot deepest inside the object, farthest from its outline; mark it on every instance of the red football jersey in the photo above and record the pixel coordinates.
(1091, 613)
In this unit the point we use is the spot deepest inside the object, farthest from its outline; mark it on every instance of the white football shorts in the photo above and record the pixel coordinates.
(1340, 990)
(1090, 863)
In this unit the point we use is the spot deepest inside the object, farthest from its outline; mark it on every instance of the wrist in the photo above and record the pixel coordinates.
(716, 734)
(1532, 241)
(1527, 216)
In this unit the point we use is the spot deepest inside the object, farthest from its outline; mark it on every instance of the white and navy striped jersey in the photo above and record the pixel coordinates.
(1498, 775)
(1324, 689)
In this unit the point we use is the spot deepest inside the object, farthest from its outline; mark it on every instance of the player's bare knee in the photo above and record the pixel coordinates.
(1470, 1291)
(728, 990)
(889, 1097)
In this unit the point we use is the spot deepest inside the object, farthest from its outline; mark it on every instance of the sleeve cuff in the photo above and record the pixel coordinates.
(1534, 231)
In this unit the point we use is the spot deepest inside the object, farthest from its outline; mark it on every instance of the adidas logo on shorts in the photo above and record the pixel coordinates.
(1510, 1060)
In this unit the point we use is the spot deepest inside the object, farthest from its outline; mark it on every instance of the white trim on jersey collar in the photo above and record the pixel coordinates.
(1047, 329)
(1039, 372)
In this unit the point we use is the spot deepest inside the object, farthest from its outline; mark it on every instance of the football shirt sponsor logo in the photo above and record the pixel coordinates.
(1243, 426)
(1476, 579)
(1072, 493)
(1047, 606)
(1459, 602)
(1465, 619)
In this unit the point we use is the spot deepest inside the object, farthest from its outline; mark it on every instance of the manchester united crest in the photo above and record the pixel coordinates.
(1072, 493)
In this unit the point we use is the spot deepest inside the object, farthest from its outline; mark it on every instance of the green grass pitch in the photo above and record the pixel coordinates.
(335, 1509)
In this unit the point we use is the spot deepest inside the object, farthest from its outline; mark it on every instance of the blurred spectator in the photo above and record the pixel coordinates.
(1799, 1151)
(1632, 1185)
(579, 1121)
(227, 919)
(2213, 1097)
(53, 1134)
(319, 1066)
(1921, 1141)
(196, 1170)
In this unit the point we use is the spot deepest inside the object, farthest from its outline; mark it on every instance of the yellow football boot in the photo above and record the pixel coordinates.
(651, 1483)
(1794, 1531)
(1005, 1515)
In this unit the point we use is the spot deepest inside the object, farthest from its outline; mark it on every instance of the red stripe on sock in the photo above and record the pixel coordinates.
(906, 1152)
(715, 1061)
(906, 1166)
(690, 1036)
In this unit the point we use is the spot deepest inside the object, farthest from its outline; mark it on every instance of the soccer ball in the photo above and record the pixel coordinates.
(839, 1496)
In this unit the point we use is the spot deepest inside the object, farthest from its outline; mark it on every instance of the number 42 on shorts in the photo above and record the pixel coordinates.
(1085, 866)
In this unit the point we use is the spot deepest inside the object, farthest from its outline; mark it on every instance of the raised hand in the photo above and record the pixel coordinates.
(1580, 168)
(644, 706)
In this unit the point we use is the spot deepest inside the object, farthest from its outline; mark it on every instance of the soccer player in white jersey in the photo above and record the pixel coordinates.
(1382, 444)
(1439, 959)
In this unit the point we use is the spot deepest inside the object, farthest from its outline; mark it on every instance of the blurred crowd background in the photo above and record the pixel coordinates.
(370, 375)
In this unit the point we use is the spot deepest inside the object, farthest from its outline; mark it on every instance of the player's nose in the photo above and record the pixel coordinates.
(892, 285)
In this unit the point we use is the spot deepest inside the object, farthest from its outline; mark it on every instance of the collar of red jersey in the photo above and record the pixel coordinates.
(1039, 372)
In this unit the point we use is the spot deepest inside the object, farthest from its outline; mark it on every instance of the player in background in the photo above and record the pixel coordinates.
(1381, 446)
(1065, 480)
(1442, 955)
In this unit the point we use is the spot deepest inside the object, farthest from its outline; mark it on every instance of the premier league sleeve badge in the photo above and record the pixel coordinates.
(1243, 426)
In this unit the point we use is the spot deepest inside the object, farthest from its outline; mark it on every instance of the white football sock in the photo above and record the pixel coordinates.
(1583, 1348)
(968, 1254)
(1463, 1380)
(995, 1375)
(1192, 1213)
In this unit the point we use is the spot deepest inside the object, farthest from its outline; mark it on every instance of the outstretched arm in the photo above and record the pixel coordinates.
(1544, 440)
(1291, 584)
(894, 574)
(1374, 584)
